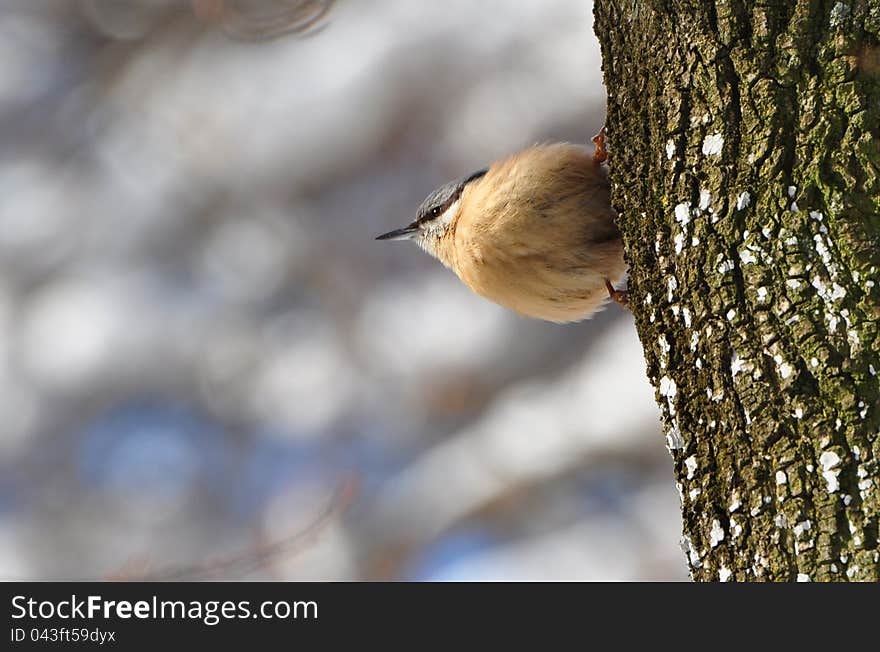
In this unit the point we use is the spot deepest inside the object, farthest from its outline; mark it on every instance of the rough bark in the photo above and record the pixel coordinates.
(745, 142)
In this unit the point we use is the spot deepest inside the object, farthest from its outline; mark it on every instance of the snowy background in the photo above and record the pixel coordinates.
(209, 369)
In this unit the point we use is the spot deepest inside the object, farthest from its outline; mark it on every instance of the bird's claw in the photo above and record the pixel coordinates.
(617, 296)
(601, 153)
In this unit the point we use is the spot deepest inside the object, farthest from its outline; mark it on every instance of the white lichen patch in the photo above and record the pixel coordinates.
(783, 368)
(822, 249)
(760, 563)
(730, 314)
(865, 483)
(747, 257)
(679, 242)
(762, 294)
(829, 460)
(672, 286)
(804, 545)
(794, 207)
(693, 493)
(713, 144)
(792, 190)
(670, 149)
(767, 258)
(823, 246)
(743, 200)
(668, 390)
(836, 294)
(781, 478)
(738, 365)
(716, 534)
(803, 577)
(683, 214)
(686, 317)
(691, 464)
(839, 13)
(735, 504)
(664, 350)
(705, 199)
(735, 529)
(802, 527)
(833, 292)
(674, 440)
(724, 574)
(687, 546)
(793, 283)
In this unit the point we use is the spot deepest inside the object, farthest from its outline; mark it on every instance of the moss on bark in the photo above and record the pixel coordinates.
(745, 166)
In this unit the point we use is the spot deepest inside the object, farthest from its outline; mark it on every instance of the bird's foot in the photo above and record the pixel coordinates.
(601, 154)
(617, 296)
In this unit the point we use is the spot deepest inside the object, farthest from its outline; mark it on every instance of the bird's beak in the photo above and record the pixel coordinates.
(406, 233)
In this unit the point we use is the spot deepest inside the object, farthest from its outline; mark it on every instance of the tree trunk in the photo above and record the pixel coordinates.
(745, 167)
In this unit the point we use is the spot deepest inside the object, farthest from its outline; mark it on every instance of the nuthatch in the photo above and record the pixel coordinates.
(534, 232)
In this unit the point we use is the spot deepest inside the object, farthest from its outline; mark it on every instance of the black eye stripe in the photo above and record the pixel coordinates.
(445, 196)
(434, 212)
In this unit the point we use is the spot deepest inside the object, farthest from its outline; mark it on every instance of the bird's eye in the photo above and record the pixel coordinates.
(435, 211)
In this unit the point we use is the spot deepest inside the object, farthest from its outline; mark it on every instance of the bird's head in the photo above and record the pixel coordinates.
(436, 216)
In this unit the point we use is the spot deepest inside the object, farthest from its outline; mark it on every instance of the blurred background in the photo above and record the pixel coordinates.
(209, 369)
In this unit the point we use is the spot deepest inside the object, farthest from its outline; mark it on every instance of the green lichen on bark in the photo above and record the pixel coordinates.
(745, 168)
